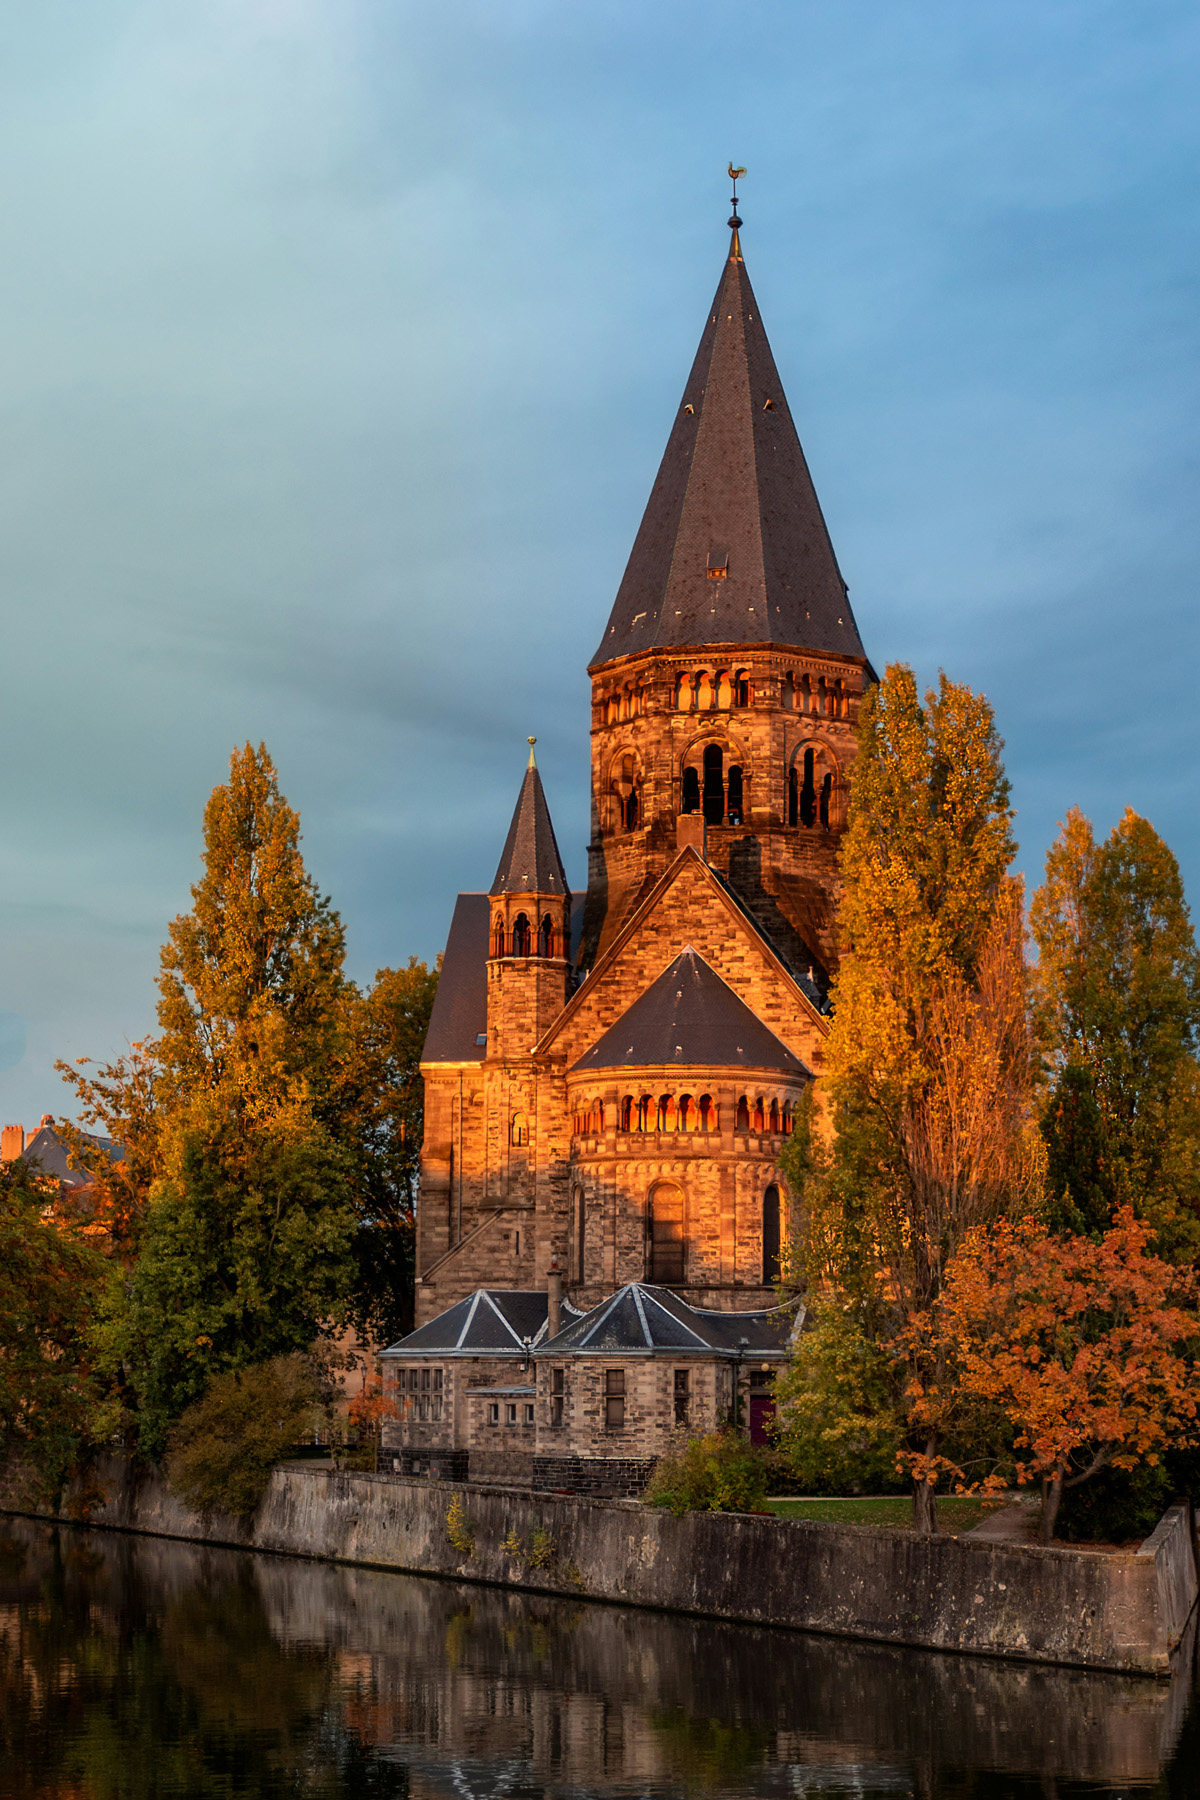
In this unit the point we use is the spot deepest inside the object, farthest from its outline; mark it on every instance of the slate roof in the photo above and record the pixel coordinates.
(733, 490)
(530, 863)
(689, 1017)
(489, 1322)
(458, 1022)
(639, 1320)
(47, 1150)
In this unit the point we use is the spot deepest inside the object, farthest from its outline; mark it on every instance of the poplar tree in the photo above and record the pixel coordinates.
(929, 1073)
(1118, 988)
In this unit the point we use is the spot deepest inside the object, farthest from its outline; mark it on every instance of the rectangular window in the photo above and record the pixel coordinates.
(529, 1414)
(558, 1394)
(682, 1395)
(437, 1407)
(423, 1408)
(494, 1413)
(425, 1381)
(437, 1381)
(614, 1399)
(511, 1412)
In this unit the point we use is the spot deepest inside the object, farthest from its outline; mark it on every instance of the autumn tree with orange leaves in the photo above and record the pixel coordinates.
(930, 1076)
(1087, 1348)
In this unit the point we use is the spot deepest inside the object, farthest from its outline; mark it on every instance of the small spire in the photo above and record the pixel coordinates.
(735, 248)
(532, 759)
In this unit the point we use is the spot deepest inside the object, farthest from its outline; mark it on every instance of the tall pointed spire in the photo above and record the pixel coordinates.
(530, 863)
(733, 548)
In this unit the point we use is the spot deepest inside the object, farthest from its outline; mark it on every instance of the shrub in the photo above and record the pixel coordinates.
(718, 1473)
(1115, 1505)
(459, 1528)
(221, 1452)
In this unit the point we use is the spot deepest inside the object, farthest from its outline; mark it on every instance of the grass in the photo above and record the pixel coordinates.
(954, 1515)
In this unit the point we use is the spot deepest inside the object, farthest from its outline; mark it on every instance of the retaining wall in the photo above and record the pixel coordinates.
(1124, 1611)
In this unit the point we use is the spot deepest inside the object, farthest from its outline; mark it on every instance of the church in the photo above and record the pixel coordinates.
(610, 1077)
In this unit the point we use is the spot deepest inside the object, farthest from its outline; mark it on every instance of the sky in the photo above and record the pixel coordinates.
(339, 342)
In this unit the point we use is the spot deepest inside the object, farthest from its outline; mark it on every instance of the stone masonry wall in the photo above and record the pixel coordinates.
(1120, 1611)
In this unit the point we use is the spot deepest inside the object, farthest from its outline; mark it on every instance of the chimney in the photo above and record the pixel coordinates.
(553, 1300)
(12, 1143)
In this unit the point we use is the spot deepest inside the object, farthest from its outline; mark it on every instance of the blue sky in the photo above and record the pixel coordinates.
(339, 341)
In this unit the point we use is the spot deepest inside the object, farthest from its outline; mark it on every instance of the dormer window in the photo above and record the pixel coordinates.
(718, 565)
(768, 406)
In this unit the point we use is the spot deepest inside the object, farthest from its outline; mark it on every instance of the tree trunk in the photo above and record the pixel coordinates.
(1051, 1497)
(924, 1508)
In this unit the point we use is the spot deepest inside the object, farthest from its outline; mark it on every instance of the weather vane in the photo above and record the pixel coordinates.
(734, 175)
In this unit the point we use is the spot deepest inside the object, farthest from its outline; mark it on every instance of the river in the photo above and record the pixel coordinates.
(141, 1669)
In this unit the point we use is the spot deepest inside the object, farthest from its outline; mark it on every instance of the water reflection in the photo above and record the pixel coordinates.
(134, 1667)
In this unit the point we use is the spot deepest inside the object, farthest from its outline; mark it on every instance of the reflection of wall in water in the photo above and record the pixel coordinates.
(584, 1692)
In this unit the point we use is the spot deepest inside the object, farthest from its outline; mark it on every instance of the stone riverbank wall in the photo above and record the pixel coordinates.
(1123, 1611)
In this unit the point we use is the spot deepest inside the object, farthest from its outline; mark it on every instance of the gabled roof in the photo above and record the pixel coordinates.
(739, 916)
(733, 494)
(530, 863)
(489, 1322)
(52, 1157)
(689, 1016)
(640, 1320)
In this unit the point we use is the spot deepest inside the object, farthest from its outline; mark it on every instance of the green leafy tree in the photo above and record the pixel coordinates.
(382, 1104)
(51, 1407)
(720, 1472)
(242, 1257)
(220, 1453)
(1118, 991)
(929, 1067)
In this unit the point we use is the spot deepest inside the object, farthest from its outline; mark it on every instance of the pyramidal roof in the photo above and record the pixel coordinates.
(733, 494)
(530, 863)
(689, 1016)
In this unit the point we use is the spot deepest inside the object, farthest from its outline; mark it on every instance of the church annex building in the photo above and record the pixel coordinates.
(610, 1077)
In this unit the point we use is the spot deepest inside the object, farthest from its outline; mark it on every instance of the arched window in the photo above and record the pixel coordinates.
(724, 691)
(627, 1113)
(546, 936)
(518, 1130)
(787, 1119)
(826, 797)
(686, 1116)
(741, 688)
(735, 795)
(793, 812)
(714, 784)
(708, 1113)
(770, 1236)
(808, 794)
(759, 1123)
(521, 942)
(788, 695)
(578, 1227)
(631, 811)
(498, 936)
(806, 694)
(668, 1250)
(704, 691)
(683, 694)
(666, 1112)
(743, 1114)
(691, 791)
(645, 1112)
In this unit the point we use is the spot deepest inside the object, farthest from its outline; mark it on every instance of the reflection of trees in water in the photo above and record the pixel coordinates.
(135, 1667)
(114, 1682)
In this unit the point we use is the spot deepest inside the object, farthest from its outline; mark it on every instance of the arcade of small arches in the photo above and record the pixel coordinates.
(720, 791)
(527, 936)
(627, 702)
(765, 1115)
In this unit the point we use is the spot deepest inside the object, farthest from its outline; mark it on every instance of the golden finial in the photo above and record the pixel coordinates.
(531, 742)
(735, 222)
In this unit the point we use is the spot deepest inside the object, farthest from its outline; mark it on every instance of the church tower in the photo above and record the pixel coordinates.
(528, 971)
(728, 679)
